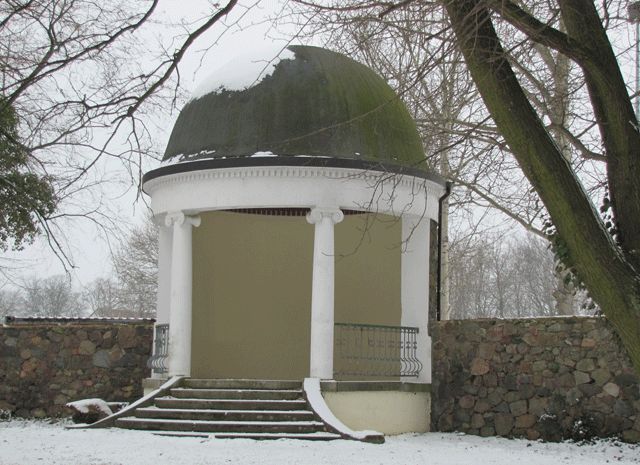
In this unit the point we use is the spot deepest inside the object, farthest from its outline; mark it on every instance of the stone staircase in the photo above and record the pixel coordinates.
(256, 409)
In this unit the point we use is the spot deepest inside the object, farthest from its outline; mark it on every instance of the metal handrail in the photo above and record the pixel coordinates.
(157, 362)
(376, 350)
(362, 325)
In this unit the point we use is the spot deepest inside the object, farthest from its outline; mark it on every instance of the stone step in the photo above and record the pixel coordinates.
(225, 415)
(245, 408)
(182, 434)
(318, 436)
(294, 427)
(230, 404)
(240, 384)
(254, 394)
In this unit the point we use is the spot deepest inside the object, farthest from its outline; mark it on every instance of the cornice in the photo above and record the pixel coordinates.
(371, 178)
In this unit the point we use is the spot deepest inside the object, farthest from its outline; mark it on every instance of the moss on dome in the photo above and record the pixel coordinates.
(320, 103)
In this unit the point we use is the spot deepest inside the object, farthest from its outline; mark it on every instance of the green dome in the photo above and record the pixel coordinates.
(317, 103)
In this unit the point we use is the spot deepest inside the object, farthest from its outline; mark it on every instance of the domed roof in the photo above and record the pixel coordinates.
(315, 102)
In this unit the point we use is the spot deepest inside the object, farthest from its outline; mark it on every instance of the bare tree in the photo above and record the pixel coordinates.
(136, 265)
(9, 302)
(132, 291)
(415, 51)
(469, 271)
(82, 78)
(608, 262)
(103, 298)
(413, 46)
(500, 277)
(532, 267)
(50, 297)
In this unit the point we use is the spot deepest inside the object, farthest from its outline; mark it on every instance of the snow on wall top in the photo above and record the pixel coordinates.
(245, 70)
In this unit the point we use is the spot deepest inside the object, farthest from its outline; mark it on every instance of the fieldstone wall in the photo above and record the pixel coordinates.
(44, 365)
(554, 378)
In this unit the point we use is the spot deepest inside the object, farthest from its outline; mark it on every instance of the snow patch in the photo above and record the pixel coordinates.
(264, 154)
(184, 158)
(87, 405)
(319, 406)
(28, 442)
(244, 71)
(209, 155)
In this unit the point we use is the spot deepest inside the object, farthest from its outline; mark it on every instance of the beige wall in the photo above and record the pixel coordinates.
(388, 412)
(252, 289)
(368, 270)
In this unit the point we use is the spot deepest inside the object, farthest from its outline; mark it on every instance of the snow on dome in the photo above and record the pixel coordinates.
(185, 158)
(245, 70)
(264, 154)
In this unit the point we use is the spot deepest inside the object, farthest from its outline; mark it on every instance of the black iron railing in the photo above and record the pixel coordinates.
(376, 350)
(158, 361)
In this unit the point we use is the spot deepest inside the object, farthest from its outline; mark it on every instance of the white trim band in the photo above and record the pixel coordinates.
(295, 187)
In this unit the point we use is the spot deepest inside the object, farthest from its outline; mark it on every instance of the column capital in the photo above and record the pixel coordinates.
(316, 214)
(179, 218)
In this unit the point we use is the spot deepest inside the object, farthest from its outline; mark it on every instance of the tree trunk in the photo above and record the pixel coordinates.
(616, 119)
(611, 280)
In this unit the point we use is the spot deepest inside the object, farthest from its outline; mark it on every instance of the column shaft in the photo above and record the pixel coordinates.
(322, 291)
(180, 319)
(165, 236)
(165, 245)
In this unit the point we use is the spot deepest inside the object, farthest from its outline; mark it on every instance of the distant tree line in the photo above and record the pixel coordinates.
(491, 276)
(498, 277)
(129, 292)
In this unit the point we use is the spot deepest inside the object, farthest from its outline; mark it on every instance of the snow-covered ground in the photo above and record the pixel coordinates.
(30, 442)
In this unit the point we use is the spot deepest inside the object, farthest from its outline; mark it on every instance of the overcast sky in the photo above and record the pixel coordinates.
(250, 27)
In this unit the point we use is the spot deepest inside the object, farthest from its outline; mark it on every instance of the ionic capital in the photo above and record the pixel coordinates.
(318, 213)
(179, 218)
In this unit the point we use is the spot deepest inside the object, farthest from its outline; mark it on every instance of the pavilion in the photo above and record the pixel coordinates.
(297, 215)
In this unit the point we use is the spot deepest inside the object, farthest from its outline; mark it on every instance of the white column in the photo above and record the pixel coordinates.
(322, 290)
(180, 295)
(165, 238)
(415, 286)
(165, 235)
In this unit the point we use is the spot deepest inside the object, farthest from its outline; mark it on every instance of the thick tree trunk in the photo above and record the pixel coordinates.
(611, 280)
(615, 116)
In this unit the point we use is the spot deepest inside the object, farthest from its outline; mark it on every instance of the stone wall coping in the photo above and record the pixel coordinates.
(11, 321)
(355, 386)
(537, 319)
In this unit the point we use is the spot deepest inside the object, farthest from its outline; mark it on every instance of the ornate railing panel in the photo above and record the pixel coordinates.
(158, 361)
(376, 350)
